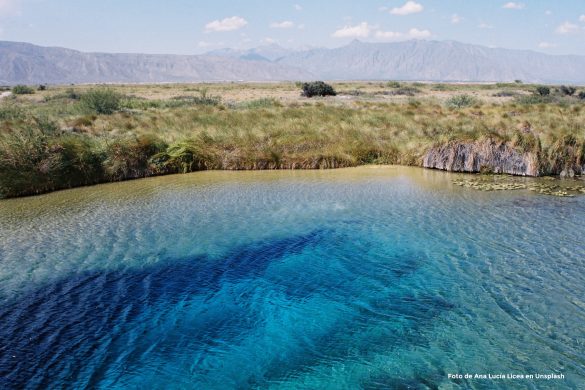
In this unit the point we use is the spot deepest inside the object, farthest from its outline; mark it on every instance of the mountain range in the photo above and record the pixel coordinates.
(410, 60)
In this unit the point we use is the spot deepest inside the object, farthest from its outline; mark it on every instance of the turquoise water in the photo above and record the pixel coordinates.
(355, 278)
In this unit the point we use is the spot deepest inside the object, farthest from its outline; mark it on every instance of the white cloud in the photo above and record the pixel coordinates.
(410, 7)
(548, 12)
(582, 18)
(283, 24)
(301, 26)
(413, 33)
(513, 5)
(485, 25)
(268, 40)
(298, 7)
(546, 45)
(389, 35)
(361, 30)
(456, 18)
(567, 28)
(227, 24)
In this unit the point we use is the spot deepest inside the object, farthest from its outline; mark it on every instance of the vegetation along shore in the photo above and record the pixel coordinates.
(60, 137)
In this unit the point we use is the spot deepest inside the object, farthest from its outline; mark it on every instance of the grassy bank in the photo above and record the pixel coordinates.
(64, 137)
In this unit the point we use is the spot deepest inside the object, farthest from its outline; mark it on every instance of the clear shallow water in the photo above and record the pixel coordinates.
(354, 278)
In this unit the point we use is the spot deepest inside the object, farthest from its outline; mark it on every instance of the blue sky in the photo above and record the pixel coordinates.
(187, 27)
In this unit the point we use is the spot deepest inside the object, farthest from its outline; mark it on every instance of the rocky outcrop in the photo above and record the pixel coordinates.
(486, 155)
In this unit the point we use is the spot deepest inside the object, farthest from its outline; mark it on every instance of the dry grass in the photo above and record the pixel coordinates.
(49, 140)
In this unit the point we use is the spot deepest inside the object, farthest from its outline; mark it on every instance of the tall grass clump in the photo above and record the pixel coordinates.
(204, 99)
(128, 157)
(101, 101)
(260, 103)
(461, 101)
(183, 157)
(11, 112)
(33, 162)
(534, 99)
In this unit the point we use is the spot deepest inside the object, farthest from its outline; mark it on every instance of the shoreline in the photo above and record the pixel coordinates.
(473, 178)
(67, 137)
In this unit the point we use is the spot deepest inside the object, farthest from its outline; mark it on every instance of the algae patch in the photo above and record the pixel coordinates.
(511, 183)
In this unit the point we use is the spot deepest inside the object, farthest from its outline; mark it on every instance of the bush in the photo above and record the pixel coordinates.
(534, 99)
(542, 90)
(567, 90)
(505, 94)
(22, 90)
(42, 87)
(461, 101)
(581, 95)
(101, 101)
(317, 88)
(406, 91)
(72, 94)
(204, 99)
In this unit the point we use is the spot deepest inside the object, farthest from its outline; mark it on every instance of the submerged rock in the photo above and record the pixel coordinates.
(486, 155)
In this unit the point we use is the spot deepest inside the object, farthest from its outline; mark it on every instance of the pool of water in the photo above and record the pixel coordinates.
(372, 277)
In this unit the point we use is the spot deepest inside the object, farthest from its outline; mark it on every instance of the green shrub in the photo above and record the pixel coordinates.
(101, 101)
(72, 94)
(533, 99)
(505, 94)
(542, 90)
(581, 95)
(22, 90)
(567, 90)
(317, 88)
(393, 84)
(461, 101)
(11, 112)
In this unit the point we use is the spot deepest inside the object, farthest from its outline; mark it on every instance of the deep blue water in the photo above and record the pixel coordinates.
(361, 278)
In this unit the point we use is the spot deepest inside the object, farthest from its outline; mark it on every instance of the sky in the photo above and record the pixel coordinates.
(193, 27)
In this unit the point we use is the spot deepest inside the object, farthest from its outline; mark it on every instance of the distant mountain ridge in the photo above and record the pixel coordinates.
(437, 61)
(30, 64)
(410, 60)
